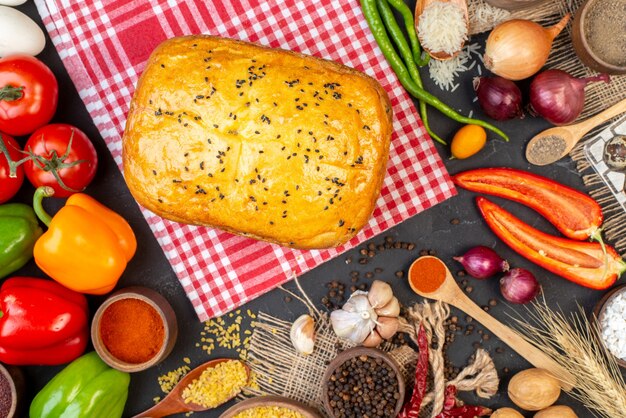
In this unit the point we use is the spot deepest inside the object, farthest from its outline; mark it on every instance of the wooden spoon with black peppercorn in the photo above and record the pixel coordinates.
(174, 402)
(429, 277)
(555, 143)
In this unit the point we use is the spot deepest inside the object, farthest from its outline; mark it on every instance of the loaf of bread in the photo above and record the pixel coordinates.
(260, 142)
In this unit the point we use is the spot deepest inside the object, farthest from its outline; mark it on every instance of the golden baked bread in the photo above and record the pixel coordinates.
(260, 142)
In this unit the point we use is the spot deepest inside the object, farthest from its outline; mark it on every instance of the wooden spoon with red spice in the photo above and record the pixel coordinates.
(174, 402)
(429, 277)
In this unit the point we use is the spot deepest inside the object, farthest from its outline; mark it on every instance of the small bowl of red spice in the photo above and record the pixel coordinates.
(134, 329)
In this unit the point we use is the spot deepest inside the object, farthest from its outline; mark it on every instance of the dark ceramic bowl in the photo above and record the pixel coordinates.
(16, 383)
(162, 307)
(600, 309)
(279, 401)
(587, 55)
(355, 352)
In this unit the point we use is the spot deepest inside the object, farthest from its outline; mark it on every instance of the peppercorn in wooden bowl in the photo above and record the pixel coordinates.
(356, 378)
(134, 329)
(600, 312)
(270, 406)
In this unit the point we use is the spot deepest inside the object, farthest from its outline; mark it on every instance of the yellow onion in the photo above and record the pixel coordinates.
(517, 49)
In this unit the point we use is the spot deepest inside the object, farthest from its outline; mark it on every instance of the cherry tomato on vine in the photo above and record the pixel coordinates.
(9, 185)
(62, 157)
(29, 93)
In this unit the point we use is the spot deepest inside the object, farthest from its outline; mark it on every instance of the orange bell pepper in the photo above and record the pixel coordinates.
(87, 245)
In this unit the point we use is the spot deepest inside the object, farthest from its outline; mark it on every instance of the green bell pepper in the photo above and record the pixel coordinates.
(87, 388)
(19, 229)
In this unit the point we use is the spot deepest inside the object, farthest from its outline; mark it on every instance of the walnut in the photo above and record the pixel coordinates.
(506, 413)
(557, 411)
(534, 389)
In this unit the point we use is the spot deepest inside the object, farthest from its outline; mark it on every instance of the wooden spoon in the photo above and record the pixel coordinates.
(450, 293)
(173, 403)
(569, 135)
(421, 5)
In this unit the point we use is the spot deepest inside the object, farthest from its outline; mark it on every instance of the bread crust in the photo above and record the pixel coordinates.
(261, 142)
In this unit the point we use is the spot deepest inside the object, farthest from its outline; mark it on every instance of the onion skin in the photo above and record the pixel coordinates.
(499, 98)
(482, 262)
(517, 49)
(519, 286)
(558, 97)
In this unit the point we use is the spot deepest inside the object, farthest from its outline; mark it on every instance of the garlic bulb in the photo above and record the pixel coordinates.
(390, 309)
(356, 320)
(302, 334)
(380, 294)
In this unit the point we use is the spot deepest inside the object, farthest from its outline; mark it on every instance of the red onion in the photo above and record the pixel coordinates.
(500, 98)
(482, 262)
(519, 286)
(558, 97)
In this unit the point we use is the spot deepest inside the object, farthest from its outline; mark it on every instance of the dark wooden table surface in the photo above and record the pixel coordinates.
(435, 229)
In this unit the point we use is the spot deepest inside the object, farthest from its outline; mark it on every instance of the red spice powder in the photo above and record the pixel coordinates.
(427, 274)
(132, 330)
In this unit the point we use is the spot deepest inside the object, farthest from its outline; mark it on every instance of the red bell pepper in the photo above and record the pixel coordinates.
(42, 322)
(584, 263)
(573, 213)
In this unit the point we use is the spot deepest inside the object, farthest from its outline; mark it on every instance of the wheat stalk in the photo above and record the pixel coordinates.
(575, 344)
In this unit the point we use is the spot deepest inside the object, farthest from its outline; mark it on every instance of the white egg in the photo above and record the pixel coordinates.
(19, 34)
(12, 2)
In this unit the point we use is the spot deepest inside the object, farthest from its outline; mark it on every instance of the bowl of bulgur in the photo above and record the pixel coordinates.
(270, 407)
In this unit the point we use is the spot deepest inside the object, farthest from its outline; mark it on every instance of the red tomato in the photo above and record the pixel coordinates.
(28, 94)
(10, 185)
(63, 158)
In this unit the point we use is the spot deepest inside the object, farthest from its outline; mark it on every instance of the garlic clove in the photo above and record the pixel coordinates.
(380, 294)
(391, 309)
(372, 340)
(387, 326)
(302, 334)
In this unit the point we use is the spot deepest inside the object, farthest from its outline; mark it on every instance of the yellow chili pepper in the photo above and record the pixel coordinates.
(87, 245)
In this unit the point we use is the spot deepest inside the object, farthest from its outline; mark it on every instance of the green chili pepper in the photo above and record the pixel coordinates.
(19, 230)
(405, 51)
(421, 58)
(380, 34)
(86, 388)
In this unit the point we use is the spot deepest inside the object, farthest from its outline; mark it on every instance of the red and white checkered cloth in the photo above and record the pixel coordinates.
(105, 44)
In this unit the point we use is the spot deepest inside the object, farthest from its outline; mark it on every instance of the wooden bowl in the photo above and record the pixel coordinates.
(162, 307)
(280, 401)
(581, 46)
(600, 310)
(16, 383)
(355, 352)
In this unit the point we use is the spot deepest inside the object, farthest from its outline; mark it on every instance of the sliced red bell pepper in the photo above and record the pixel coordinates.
(573, 213)
(584, 263)
(42, 322)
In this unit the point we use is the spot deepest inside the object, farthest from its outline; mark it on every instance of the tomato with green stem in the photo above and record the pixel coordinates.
(29, 93)
(60, 156)
(9, 185)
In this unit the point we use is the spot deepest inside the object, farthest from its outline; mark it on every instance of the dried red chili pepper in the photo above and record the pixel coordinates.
(584, 263)
(573, 213)
(412, 408)
(450, 410)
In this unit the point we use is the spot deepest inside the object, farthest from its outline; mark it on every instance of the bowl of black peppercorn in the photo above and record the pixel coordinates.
(363, 382)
